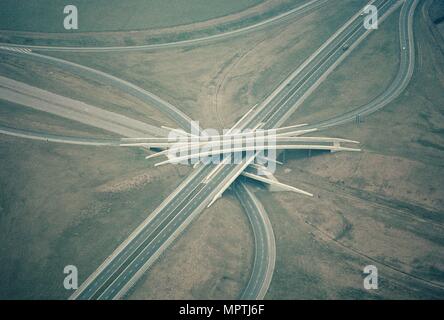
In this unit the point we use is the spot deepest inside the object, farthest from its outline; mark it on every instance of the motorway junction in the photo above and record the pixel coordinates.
(218, 160)
(255, 148)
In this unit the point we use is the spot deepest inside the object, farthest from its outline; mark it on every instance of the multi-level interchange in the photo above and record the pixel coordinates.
(208, 181)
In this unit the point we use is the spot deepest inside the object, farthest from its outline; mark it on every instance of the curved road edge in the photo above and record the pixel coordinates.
(33, 135)
(265, 243)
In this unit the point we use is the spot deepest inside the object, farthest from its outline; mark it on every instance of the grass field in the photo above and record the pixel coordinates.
(112, 15)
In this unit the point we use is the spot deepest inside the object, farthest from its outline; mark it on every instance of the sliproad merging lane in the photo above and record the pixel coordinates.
(120, 271)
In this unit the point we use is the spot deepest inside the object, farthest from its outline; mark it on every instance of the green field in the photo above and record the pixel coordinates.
(114, 15)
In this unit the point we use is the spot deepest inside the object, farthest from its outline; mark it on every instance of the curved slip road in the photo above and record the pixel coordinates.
(179, 117)
(264, 243)
(291, 14)
(302, 83)
(104, 78)
(400, 82)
